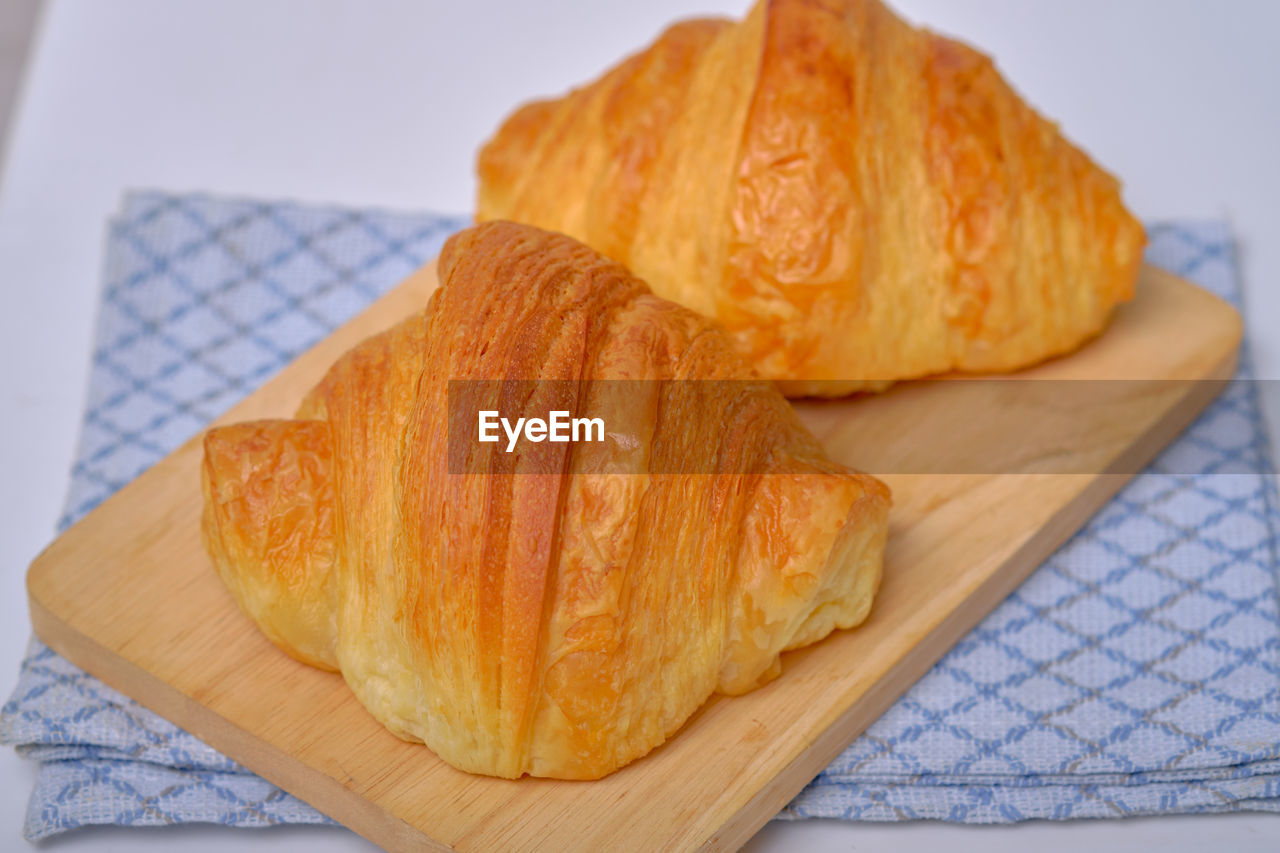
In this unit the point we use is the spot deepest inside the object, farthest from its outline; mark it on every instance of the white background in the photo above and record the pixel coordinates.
(384, 103)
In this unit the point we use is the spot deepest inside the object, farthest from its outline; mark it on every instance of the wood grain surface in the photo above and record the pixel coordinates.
(987, 483)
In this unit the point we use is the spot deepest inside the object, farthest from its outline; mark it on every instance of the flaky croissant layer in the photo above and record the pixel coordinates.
(856, 200)
(562, 609)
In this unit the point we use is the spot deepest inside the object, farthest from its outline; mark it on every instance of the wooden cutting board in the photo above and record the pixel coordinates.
(129, 595)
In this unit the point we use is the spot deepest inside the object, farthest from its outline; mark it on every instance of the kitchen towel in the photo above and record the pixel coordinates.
(1136, 672)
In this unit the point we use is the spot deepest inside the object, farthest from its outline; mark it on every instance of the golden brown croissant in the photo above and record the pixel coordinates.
(854, 199)
(559, 610)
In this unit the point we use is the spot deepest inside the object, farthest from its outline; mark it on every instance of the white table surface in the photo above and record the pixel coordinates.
(384, 103)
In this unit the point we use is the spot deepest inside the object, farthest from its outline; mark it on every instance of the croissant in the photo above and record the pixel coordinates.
(855, 200)
(558, 610)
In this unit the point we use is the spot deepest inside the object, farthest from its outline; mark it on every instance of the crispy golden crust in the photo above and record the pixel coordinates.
(269, 527)
(564, 611)
(855, 200)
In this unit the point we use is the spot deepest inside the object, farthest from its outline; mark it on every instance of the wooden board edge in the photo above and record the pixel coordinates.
(353, 811)
(752, 814)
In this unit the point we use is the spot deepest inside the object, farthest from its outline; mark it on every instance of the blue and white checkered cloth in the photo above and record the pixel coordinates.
(1136, 672)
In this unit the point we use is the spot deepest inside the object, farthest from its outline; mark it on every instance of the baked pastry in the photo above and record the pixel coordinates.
(855, 200)
(561, 609)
